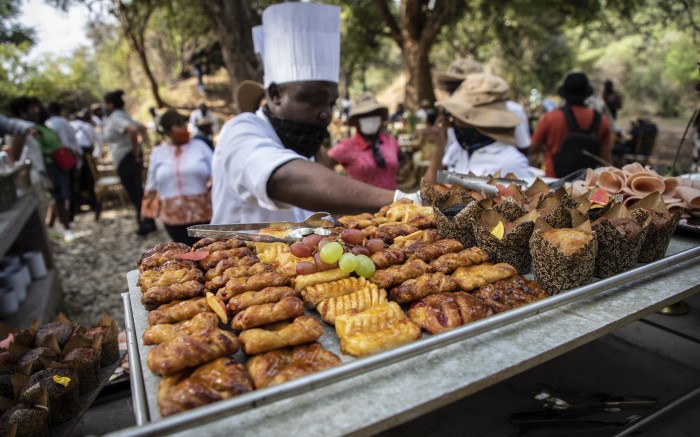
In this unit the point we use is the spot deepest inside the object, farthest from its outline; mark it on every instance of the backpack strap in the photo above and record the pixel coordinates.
(596, 123)
(570, 119)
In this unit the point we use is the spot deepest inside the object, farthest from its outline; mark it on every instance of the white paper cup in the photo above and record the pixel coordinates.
(26, 274)
(35, 261)
(8, 301)
(18, 282)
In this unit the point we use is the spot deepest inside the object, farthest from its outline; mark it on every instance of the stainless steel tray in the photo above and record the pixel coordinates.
(145, 384)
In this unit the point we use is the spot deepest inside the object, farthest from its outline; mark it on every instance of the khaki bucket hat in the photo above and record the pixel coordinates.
(248, 95)
(459, 70)
(365, 103)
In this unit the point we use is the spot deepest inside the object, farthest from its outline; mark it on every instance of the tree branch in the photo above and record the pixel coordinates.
(394, 30)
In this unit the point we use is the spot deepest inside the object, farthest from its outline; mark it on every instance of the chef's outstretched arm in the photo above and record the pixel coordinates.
(311, 186)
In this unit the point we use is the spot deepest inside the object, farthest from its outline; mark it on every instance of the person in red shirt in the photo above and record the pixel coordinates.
(372, 154)
(552, 128)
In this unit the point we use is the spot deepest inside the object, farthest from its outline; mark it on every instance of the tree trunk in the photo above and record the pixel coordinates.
(233, 21)
(160, 103)
(419, 84)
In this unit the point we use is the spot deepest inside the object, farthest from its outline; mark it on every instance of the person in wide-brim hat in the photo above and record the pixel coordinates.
(575, 88)
(363, 105)
(249, 95)
(458, 70)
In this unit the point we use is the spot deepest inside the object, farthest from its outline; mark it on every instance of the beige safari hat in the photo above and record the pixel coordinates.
(248, 95)
(365, 103)
(459, 70)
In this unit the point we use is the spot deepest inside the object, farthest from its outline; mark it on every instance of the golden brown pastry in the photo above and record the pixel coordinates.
(389, 232)
(161, 254)
(220, 379)
(510, 293)
(372, 319)
(568, 241)
(366, 343)
(448, 262)
(423, 222)
(357, 221)
(469, 278)
(226, 263)
(384, 209)
(168, 274)
(422, 286)
(429, 251)
(237, 272)
(303, 281)
(157, 334)
(267, 295)
(387, 257)
(407, 211)
(159, 295)
(440, 312)
(354, 302)
(395, 275)
(178, 310)
(316, 293)
(281, 365)
(303, 329)
(425, 235)
(259, 315)
(191, 350)
(214, 245)
(256, 282)
(214, 257)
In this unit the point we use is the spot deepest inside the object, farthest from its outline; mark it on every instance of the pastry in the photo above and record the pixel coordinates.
(429, 251)
(191, 350)
(178, 310)
(281, 365)
(267, 295)
(255, 282)
(303, 281)
(469, 278)
(157, 334)
(172, 272)
(422, 286)
(568, 241)
(448, 262)
(440, 312)
(226, 263)
(354, 302)
(395, 275)
(258, 315)
(316, 293)
(159, 295)
(237, 272)
(303, 329)
(510, 293)
(366, 343)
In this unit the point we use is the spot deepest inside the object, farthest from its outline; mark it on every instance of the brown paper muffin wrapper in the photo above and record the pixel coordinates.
(555, 271)
(460, 227)
(657, 238)
(616, 253)
(564, 198)
(512, 249)
(510, 209)
(433, 194)
(555, 213)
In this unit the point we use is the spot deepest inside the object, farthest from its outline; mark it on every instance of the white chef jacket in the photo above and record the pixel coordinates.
(196, 115)
(487, 160)
(247, 154)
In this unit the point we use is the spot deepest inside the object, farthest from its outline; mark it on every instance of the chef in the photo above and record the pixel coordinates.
(264, 165)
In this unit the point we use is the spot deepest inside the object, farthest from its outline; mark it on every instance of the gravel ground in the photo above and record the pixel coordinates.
(93, 268)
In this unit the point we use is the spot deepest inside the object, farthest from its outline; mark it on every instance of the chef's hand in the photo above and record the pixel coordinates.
(413, 197)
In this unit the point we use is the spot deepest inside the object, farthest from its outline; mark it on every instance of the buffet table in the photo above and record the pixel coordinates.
(381, 391)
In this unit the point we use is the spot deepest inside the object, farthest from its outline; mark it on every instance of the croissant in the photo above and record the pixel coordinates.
(395, 275)
(304, 329)
(256, 282)
(191, 350)
(440, 312)
(316, 293)
(448, 262)
(281, 365)
(178, 310)
(220, 379)
(303, 281)
(158, 295)
(354, 302)
(422, 286)
(259, 315)
(159, 333)
(469, 278)
(267, 295)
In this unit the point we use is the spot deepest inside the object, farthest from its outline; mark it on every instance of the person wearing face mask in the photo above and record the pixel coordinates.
(179, 176)
(371, 155)
(264, 165)
(484, 131)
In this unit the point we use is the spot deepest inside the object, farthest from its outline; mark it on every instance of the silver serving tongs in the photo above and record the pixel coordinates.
(314, 224)
(475, 183)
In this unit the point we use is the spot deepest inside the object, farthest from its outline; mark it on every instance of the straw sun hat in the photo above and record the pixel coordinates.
(365, 103)
(459, 70)
(248, 95)
(480, 102)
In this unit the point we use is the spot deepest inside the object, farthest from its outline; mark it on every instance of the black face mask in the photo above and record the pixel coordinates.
(305, 139)
(471, 139)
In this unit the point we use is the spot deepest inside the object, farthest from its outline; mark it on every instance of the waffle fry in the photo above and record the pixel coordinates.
(354, 302)
(316, 293)
(373, 319)
(303, 281)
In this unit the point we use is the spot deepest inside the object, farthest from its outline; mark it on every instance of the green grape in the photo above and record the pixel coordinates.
(348, 262)
(365, 266)
(331, 252)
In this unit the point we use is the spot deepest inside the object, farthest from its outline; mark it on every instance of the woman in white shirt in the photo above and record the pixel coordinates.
(179, 180)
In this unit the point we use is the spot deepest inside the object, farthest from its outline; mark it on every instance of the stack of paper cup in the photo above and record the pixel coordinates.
(8, 301)
(35, 261)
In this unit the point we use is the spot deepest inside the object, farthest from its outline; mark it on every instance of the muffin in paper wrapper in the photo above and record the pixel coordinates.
(512, 207)
(461, 226)
(535, 192)
(659, 234)
(617, 252)
(557, 271)
(433, 194)
(513, 247)
(597, 207)
(552, 211)
(106, 330)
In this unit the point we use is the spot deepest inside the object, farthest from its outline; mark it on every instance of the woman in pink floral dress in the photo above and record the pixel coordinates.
(179, 180)
(372, 154)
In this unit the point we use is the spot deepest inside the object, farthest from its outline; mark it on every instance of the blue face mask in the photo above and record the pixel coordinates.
(471, 139)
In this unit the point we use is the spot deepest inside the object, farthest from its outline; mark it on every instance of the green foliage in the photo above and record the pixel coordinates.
(12, 32)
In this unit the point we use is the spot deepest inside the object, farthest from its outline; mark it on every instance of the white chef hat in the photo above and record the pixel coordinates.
(301, 42)
(259, 44)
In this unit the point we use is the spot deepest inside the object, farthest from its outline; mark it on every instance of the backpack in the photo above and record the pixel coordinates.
(570, 156)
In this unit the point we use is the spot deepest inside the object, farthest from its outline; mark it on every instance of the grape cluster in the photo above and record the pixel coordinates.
(350, 254)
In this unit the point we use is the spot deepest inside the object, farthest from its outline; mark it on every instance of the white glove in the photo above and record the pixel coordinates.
(413, 197)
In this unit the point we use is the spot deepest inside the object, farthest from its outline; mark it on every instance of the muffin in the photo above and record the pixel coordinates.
(30, 421)
(505, 241)
(620, 240)
(460, 226)
(62, 399)
(86, 362)
(661, 227)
